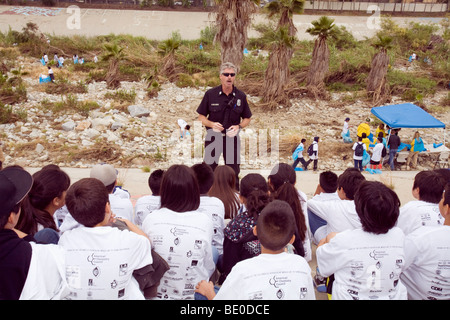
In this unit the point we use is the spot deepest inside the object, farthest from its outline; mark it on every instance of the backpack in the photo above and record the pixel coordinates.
(359, 150)
(383, 152)
(310, 150)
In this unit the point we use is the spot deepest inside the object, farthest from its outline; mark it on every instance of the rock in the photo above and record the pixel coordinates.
(39, 148)
(138, 111)
(68, 126)
(83, 125)
(116, 125)
(91, 133)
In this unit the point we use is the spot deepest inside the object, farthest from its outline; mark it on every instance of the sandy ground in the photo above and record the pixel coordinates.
(135, 181)
(159, 25)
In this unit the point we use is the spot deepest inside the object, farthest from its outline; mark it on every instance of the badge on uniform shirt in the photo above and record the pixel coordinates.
(238, 102)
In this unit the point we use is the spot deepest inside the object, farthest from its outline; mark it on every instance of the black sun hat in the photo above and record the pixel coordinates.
(15, 183)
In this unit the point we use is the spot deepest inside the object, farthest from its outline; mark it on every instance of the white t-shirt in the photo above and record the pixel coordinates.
(182, 123)
(121, 207)
(214, 208)
(183, 239)
(280, 276)
(417, 213)
(339, 214)
(355, 157)
(376, 152)
(316, 149)
(427, 268)
(46, 277)
(345, 127)
(144, 206)
(321, 232)
(366, 266)
(100, 262)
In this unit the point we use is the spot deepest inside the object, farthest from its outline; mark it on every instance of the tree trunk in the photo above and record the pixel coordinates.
(112, 81)
(277, 77)
(376, 80)
(168, 69)
(318, 68)
(233, 20)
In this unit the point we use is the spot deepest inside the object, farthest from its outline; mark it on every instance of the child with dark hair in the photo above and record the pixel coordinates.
(181, 234)
(148, 203)
(119, 200)
(340, 214)
(274, 274)
(224, 188)
(98, 255)
(367, 261)
(28, 270)
(239, 242)
(424, 211)
(281, 182)
(325, 191)
(358, 148)
(426, 275)
(213, 207)
(45, 197)
(298, 155)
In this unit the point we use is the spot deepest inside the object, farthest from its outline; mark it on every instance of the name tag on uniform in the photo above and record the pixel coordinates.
(214, 104)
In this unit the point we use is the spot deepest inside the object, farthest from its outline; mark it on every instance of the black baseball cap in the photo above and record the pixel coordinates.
(15, 183)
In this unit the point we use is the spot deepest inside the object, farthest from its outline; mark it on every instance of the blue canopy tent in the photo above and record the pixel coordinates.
(406, 115)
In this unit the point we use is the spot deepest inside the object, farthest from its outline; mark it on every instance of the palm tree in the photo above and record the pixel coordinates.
(114, 54)
(232, 21)
(167, 49)
(376, 80)
(322, 28)
(277, 72)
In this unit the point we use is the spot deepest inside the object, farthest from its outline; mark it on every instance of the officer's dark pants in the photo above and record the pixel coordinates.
(216, 144)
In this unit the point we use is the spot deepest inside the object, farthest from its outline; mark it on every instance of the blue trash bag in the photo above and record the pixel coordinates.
(365, 159)
(44, 79)
(346, 137)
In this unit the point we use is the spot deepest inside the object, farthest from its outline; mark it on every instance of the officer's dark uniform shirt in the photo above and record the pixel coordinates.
(228, 110)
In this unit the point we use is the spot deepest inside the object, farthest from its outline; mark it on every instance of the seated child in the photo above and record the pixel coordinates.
(213, 207)
(181, 235)
(100, 259)
(427, 189)
(239, 242)
(325, 191)
(274, 274)
(425, 275)
(367, 262)
(29, 270)
(147, 204)
(340, 214)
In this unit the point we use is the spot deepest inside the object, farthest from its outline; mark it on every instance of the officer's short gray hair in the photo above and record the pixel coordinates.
(227, 65)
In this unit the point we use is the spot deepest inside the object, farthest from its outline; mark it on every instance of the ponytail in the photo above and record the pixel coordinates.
(287, 192)
(256, 202)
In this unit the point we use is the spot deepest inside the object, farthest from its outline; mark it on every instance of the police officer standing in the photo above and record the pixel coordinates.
(224, 111)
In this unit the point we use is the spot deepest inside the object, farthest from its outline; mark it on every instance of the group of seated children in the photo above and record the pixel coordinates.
(185, 242)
